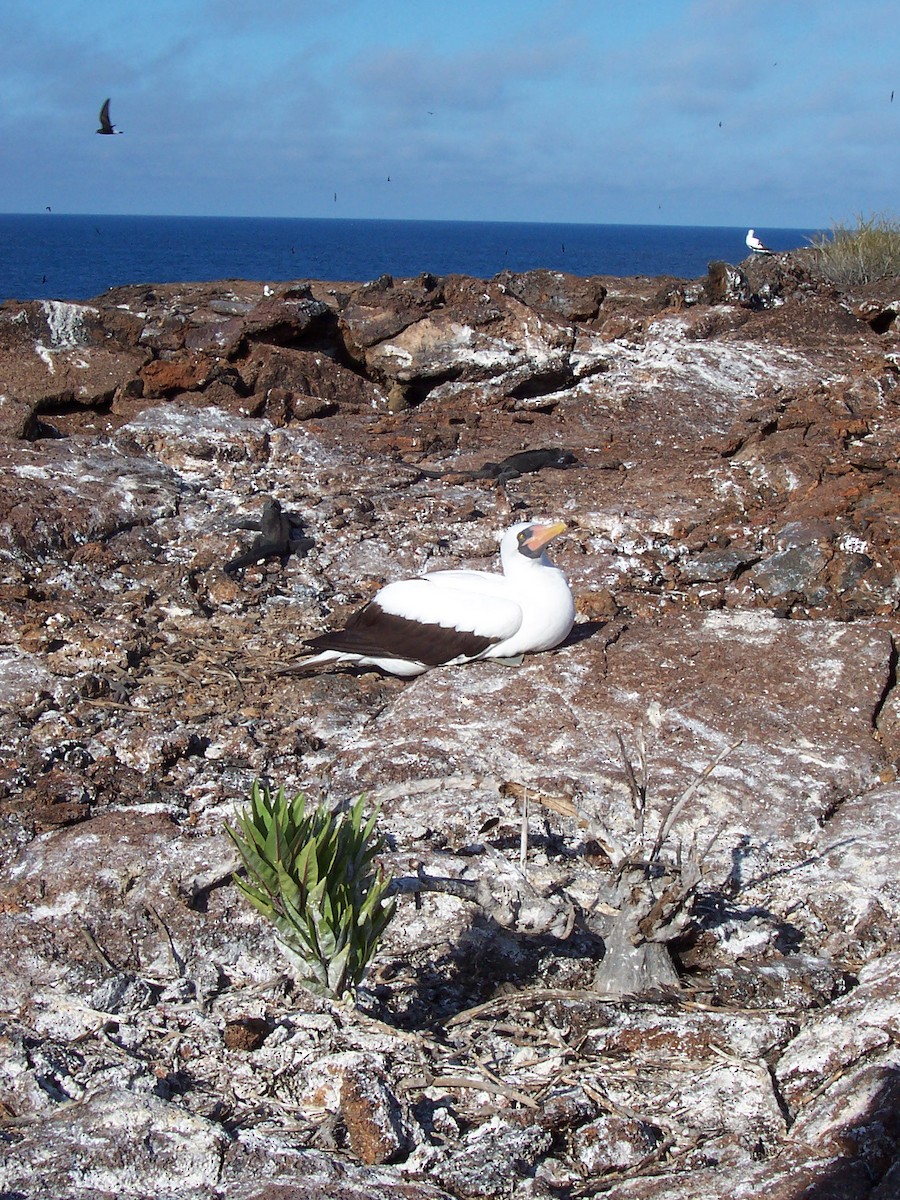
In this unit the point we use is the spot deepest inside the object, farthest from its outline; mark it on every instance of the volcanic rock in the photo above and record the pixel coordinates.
(53, 353)
(707, 767)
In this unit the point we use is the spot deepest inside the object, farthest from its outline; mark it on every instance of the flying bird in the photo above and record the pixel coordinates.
(445, 618)
(755, 245)
(106, 126)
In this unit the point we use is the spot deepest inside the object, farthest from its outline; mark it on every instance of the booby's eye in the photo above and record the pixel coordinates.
(524, 535)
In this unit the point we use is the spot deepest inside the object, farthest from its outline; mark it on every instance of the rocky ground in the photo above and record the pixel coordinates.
(689, 988)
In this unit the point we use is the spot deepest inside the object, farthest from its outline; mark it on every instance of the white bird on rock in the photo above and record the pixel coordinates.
(448, 617)
(755, 245)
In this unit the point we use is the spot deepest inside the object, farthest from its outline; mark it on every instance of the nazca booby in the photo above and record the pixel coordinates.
(449, 617)
(755, 245)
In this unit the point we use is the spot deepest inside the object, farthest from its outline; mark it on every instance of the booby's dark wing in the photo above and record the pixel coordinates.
(419, 622)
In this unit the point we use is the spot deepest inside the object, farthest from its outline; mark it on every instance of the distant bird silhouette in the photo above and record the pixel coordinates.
(106, 126)
(755, 245)
(892, 97)
(49, 209)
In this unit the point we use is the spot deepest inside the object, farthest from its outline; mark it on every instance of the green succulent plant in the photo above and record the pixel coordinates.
(312, 872)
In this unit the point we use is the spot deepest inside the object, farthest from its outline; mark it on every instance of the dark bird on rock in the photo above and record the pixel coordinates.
(525, 462)
(755, 245)
(280, 535)
(445, 618)
(106, 126)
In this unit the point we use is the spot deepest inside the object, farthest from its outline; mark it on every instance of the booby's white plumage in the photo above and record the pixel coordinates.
(754, 244)
(450, 617)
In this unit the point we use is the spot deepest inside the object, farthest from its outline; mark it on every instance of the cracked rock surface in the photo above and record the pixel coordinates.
(730, 683)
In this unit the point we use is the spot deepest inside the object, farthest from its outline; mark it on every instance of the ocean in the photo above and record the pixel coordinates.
(62, 257)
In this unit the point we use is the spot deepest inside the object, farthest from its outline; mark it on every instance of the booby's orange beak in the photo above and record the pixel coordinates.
(545, 533)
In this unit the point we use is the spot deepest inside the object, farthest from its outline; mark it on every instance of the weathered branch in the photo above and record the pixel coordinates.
(505, 895)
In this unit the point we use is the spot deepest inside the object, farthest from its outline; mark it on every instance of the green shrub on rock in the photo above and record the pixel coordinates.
(312, 872)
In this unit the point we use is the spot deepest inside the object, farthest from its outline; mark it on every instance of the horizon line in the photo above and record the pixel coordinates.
(407, 220)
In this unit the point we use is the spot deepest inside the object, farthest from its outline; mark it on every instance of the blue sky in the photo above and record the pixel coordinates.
(772, 113)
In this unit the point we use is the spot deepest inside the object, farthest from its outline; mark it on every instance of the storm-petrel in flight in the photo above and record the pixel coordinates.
(106, 126)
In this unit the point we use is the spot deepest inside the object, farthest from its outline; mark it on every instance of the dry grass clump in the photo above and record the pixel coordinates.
(860, 253)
